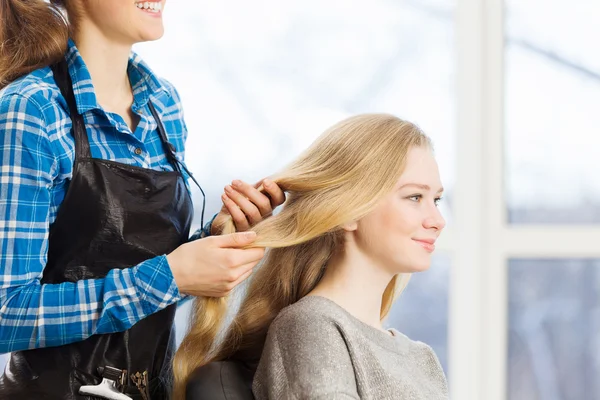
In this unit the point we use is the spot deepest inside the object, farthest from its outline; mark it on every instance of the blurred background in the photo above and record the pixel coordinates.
(508, 90)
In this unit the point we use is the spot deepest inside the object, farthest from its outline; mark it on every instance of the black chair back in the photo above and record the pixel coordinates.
(221, 380)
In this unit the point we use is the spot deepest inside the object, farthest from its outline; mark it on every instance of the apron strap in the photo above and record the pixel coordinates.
(65, 84)
(170, 154)
(168, 147)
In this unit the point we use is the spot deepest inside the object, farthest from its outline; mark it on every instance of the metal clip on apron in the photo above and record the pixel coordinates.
(113, 216)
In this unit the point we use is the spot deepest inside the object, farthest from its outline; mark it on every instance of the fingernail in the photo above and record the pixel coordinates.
(250, 234)
(228, 189)
(267, 182)
(237, 183)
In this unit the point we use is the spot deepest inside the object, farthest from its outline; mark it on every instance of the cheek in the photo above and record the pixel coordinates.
(386, 232)
(121, 17)
(400, 235)
(397, 228)
(399, 220)
(117, 13)
(108, 18)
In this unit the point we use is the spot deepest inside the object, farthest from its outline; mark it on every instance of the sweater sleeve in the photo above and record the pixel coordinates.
(305, 360)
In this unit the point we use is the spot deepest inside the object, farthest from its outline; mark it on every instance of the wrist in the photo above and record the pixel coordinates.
(178, 273)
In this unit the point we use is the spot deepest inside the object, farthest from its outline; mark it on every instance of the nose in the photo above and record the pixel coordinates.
(434, 220)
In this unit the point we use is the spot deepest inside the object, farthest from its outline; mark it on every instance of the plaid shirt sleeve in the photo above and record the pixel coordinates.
(203, 232)
(32, 314)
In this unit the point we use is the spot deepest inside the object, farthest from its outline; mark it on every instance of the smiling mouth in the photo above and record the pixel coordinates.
(150, 6)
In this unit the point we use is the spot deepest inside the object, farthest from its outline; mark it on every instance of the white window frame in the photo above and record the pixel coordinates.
(480, 240)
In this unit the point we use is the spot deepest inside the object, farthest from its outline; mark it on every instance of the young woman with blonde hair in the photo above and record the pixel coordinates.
(360, 217)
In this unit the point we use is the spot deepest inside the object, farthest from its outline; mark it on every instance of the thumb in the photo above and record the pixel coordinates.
(238, 239)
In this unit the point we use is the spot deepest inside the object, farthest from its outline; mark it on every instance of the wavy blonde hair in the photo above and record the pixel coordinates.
(341, 177)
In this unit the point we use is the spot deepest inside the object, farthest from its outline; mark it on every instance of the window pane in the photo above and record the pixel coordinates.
(421, 311)
(554, 337)
(551, 102)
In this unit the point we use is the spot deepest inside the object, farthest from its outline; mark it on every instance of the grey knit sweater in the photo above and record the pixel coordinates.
(316, 350)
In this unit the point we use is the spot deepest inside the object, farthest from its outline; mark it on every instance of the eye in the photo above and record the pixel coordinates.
(437, 200)
(415, 197)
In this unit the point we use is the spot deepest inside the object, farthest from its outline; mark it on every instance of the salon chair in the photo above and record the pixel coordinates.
(221, 380)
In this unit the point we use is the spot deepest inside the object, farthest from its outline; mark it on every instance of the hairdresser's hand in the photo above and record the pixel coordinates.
(213, 266)
(247, 205)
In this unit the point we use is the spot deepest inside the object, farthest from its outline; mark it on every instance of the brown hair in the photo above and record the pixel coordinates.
(33, 34)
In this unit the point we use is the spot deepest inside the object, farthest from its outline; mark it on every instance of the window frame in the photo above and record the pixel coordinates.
(480, 240)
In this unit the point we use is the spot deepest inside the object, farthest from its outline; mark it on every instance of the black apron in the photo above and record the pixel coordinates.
(113, 216)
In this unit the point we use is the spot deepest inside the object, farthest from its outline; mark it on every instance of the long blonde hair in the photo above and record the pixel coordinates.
(341, 177)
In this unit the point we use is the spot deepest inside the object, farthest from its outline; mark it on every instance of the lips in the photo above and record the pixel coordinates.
(427, 244)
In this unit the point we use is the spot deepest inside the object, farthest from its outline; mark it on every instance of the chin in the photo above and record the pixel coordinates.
(422, 268)
(417, 265)
(408, 269)
(151, 35)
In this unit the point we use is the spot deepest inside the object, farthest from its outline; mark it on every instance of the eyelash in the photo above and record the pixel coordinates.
(420, 196)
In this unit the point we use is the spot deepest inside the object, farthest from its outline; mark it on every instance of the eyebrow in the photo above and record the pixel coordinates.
(420, 186)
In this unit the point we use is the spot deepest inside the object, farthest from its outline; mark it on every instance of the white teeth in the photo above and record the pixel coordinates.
(153, 6)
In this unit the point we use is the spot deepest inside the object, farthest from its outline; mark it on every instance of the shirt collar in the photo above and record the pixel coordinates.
(144, 82)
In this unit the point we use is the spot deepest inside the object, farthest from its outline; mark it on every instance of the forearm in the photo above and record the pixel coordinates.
(35, 315)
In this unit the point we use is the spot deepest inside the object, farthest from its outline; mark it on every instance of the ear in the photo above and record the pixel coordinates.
(350, 226)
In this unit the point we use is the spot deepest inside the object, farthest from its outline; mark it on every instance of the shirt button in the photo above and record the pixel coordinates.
(138, 151)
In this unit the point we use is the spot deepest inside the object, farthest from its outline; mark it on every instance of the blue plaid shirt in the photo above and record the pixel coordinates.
(36, 160)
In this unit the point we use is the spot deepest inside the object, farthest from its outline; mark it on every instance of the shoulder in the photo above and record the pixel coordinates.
(161, 89)
(30, 94)
(309, 318)
(419, 350)
(170, 99)
(170, 102)
(305, 353)
(163, 96)
(310, 309)
(427, 353)
(170, 89)
(414, 346)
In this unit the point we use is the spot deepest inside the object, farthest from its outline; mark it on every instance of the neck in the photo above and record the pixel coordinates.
(356, 283)
(107, 62)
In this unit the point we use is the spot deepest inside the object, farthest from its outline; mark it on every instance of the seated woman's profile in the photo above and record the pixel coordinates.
(361, 216)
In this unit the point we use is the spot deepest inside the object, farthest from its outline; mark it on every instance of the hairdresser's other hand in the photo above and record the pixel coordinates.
(213, 266)
(247, 205)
